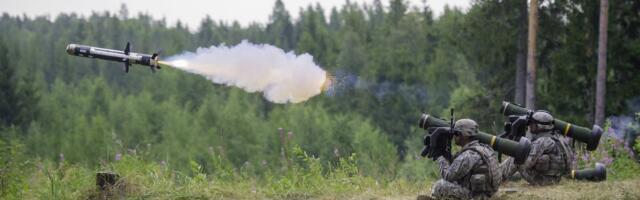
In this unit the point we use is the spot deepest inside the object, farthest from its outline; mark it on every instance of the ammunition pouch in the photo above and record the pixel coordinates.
(486, 177)
(542, 164)
(478, 183)
(556, 162)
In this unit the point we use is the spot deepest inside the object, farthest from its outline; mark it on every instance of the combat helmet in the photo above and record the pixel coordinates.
(543, 120)
(466, 127)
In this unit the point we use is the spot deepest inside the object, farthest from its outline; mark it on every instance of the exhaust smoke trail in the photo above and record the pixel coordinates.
(282, 77)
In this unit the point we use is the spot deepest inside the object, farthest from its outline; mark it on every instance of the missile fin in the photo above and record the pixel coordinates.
(126, 67)
(154, 56)
(127, 49)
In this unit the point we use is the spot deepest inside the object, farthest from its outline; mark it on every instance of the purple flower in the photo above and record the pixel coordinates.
(630, 151)
(585, 157)
(606, 160)
(118, 157)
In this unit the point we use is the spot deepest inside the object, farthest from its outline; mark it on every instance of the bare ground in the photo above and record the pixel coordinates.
(567, 189)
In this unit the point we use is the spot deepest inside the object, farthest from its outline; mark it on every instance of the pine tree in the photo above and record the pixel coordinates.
(18, 97)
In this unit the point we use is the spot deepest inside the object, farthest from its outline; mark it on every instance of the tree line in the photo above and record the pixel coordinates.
(395, 62)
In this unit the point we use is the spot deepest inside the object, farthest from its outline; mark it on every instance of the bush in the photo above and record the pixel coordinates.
(637, 142)
(416, 169)
(613, 153)
(637, 145)
(12, 170)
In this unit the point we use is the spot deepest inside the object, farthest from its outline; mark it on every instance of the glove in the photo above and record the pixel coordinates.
(447, 155)
(518, 127)
(506, 130)
(427, 145)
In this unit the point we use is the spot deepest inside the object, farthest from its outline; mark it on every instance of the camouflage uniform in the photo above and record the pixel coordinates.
(550, 158)
(473, 173)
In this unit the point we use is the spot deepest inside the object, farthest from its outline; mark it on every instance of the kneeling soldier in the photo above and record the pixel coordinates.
(474, 171)
(550, 157)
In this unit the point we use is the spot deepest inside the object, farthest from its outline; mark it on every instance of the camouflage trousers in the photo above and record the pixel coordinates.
(447, 190)
(509, 168)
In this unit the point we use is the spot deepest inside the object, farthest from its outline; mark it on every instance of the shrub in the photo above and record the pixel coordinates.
(613, 153)
(11, 170)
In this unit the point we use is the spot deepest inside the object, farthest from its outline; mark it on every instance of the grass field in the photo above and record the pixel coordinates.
(619, 189)
(305, 178)
(151, 181)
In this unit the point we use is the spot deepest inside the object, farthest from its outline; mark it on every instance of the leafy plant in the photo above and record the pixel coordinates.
(13, 170)
(612, 152)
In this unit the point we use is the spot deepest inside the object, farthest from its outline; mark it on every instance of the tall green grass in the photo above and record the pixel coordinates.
(302, 176)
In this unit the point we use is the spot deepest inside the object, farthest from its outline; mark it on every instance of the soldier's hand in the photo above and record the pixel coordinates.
(425, 151)
(448, 156)
(518, 127)
(442, 158)
(427, 145)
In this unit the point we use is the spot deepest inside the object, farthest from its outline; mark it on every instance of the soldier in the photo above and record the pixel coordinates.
(474, 171)
(550, 157)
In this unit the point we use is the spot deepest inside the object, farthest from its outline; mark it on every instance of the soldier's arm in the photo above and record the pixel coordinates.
(460, 166)
(444, 165)
(508, 168)
(538, 147)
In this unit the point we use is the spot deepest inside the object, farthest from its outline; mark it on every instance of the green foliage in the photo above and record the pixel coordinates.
(140, 178)
(51, 180)
(620, 161)
(637, 145)
(405, 62)
(18, 95)
(623, 167)
(13, 171)
(417, 169)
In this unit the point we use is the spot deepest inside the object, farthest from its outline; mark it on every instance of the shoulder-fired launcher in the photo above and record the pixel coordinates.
(518, 150)
(589, 136)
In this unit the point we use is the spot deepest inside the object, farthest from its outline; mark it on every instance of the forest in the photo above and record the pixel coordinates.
(62, 118)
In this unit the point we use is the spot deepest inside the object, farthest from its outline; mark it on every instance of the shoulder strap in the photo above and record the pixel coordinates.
(565, 152)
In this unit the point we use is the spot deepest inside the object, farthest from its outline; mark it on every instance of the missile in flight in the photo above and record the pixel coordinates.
(127, 57)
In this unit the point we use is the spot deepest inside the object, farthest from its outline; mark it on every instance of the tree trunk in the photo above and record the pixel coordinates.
(601, 78)
(521, 54)
(531, 55)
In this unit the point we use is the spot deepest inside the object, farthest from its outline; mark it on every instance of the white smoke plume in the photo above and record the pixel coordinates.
(283, 77)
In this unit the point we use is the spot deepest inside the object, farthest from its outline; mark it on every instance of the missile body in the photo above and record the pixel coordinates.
(127, 57)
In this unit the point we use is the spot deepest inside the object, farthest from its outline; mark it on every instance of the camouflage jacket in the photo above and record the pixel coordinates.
(549, 159)
(475, 167)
